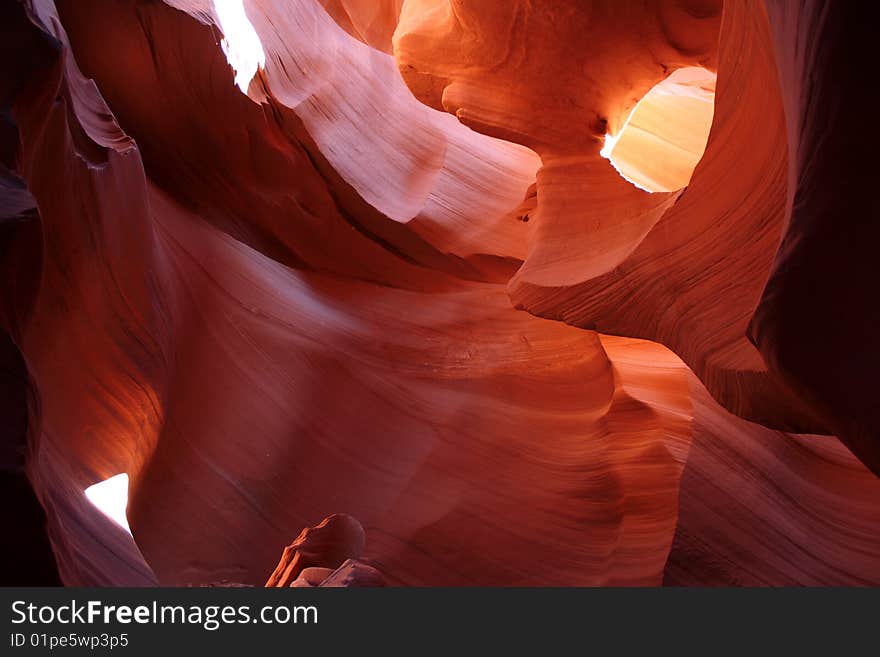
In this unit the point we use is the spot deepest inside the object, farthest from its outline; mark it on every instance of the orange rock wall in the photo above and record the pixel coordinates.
(372, 286)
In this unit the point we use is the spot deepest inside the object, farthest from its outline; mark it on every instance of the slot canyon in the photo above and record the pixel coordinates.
(439, 293)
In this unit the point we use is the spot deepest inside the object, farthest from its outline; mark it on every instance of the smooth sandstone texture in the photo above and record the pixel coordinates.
(308, 301)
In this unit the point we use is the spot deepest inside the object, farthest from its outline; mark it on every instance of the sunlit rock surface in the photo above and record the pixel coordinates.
(288, 264)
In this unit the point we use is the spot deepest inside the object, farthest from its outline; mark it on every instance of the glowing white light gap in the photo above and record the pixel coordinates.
(111, 498)
(241, 44)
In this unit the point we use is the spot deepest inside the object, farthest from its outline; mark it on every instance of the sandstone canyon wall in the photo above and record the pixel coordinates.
(382, 274)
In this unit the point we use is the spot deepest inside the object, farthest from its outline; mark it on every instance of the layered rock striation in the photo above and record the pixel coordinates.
(384, 269)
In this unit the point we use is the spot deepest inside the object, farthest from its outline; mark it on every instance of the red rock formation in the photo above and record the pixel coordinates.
(353, 574)
(818, 315)
(324, 547)
(693, 280)
(370, 21)
(764, 508)
(308, 300)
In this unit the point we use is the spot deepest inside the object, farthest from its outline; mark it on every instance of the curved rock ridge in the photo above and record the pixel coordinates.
(306, 301)
(576, 191)
(409, 165)
(217, 412)
(693, 280)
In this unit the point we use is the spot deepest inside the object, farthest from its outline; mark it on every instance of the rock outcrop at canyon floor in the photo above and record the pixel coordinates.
(379, 268)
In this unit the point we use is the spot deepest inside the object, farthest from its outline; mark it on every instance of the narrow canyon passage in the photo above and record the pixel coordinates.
(479, 279)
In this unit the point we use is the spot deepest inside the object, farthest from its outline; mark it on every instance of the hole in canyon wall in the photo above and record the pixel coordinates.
(111, 498)
(665, 135)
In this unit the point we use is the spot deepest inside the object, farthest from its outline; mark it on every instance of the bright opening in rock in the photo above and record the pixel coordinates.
(111, 498)
(665, 135)
(241, 45)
